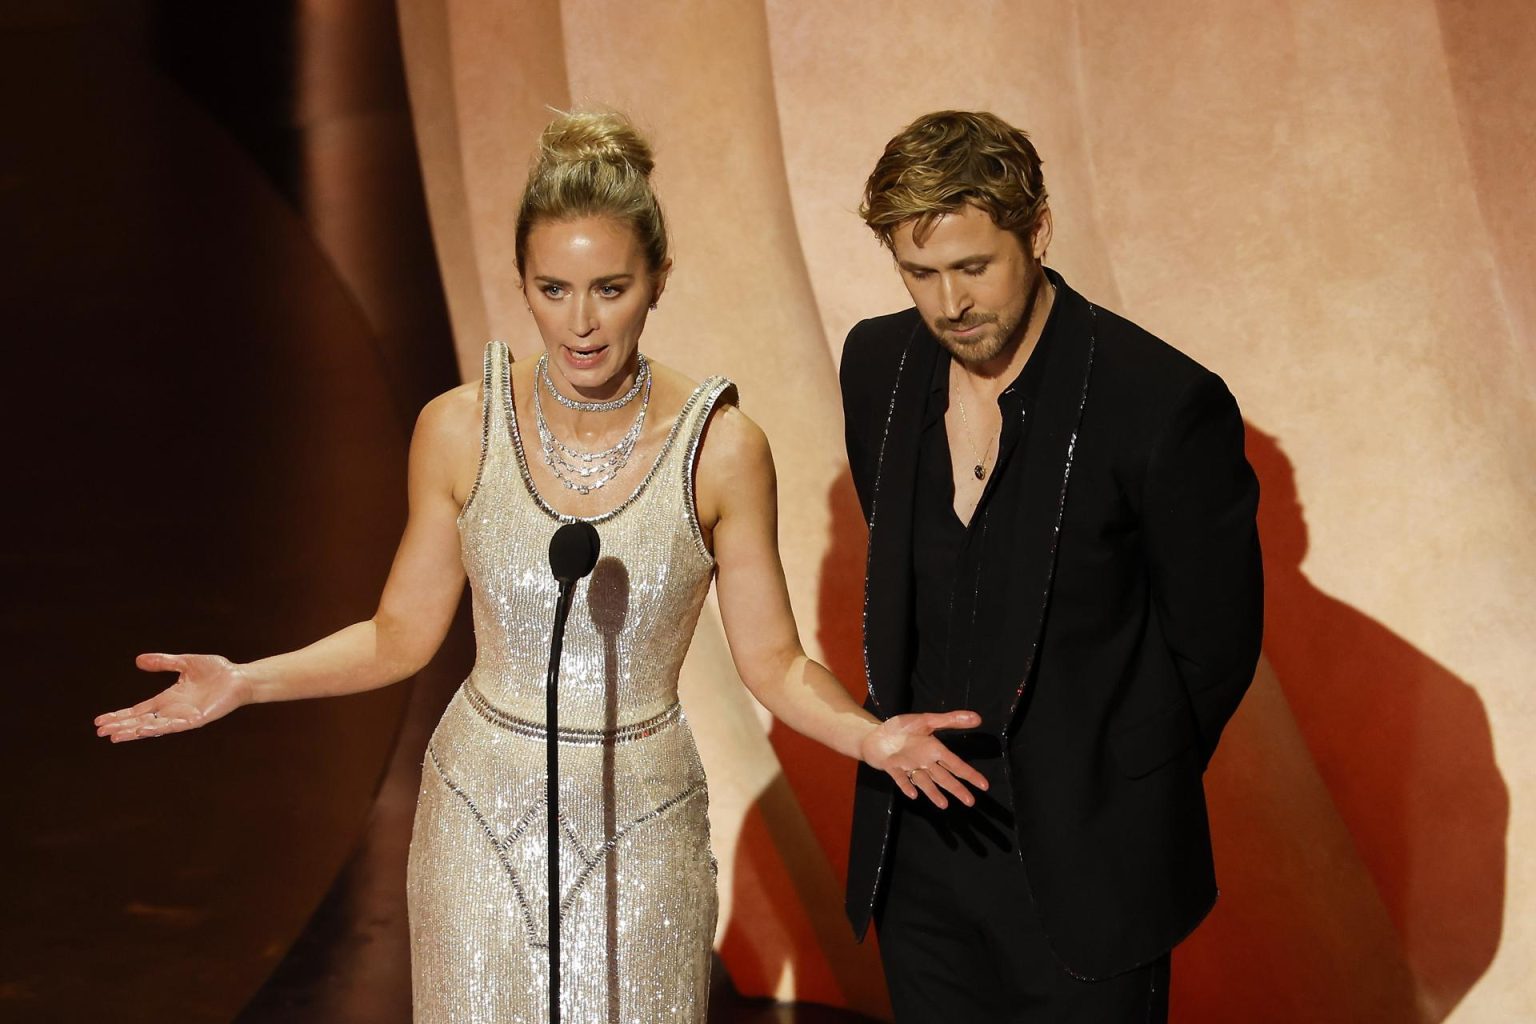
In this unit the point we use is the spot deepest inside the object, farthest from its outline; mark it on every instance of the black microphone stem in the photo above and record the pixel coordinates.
(552, 774)
(573, 552)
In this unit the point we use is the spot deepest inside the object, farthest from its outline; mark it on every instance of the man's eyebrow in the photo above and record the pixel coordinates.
(964, 261)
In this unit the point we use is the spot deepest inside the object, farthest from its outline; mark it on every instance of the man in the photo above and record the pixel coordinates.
(1061, 539)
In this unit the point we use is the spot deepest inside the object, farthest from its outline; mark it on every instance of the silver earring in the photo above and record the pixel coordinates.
(653, 306)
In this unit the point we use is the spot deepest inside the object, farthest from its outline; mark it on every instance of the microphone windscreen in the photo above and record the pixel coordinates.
(573, 551)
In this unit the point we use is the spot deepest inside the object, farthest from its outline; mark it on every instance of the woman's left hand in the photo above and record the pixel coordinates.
(906, 749)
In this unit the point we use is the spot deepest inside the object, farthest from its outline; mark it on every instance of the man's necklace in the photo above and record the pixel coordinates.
(980, 469)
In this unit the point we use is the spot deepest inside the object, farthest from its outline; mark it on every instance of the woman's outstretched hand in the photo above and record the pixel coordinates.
(906, 749)
(207, 688)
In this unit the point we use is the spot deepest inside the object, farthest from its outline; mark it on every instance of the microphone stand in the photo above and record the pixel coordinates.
(573, 553)
(552, 773)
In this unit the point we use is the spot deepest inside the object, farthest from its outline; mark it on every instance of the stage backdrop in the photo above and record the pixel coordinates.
(1328, 204)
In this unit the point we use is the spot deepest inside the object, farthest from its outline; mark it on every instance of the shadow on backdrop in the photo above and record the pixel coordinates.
(1360, 815)
(1358, 812)
(792, 858)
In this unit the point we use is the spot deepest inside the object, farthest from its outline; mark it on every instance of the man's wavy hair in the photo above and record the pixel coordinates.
(944, 160)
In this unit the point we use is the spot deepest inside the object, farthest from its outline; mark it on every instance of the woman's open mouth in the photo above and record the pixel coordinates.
(583, 358)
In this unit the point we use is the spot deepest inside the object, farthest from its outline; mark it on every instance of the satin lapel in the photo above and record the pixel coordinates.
(1046, 454)
(888, 572)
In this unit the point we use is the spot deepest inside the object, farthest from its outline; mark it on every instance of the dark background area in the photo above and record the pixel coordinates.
(222, 313)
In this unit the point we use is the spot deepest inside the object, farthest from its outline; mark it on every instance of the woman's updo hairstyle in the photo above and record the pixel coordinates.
(593, 164)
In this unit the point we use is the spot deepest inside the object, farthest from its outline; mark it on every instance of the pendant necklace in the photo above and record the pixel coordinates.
(980, 468)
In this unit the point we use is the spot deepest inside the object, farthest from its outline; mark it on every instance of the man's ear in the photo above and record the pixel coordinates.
(1040, 237)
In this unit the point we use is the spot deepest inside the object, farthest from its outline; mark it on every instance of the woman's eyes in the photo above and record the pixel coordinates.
(606, 291)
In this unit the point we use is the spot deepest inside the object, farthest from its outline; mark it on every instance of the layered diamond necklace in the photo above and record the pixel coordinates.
(583, 471)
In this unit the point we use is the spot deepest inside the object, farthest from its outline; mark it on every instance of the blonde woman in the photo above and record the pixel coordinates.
(679, 484)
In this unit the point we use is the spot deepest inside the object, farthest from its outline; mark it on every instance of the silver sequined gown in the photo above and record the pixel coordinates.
(636, 874)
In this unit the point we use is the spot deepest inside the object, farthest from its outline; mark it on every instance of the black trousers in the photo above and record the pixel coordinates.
(959, 935)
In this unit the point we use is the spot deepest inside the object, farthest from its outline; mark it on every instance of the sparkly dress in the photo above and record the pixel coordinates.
(637, 902)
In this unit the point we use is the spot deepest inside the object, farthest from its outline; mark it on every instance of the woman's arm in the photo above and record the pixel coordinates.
(738, 504)
(413, 615)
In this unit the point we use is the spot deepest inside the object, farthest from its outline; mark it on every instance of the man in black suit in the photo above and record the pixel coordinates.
(1062, 539)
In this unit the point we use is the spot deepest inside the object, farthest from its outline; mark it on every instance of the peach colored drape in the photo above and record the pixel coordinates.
(1326, 203)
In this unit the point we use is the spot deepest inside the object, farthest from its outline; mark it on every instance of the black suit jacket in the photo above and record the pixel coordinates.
(1136, 591)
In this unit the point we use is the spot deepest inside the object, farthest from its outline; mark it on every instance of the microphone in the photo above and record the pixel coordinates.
(573, 552)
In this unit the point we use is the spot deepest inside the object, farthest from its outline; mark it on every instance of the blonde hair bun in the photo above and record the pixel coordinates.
(593, 163)
(586, 136)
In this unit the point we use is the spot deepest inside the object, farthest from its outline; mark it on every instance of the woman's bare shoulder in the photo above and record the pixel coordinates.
(451, 417)
(734, 448)
(674, 388)
(671, 388)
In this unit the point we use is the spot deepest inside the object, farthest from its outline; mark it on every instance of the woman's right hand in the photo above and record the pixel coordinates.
(207, 688)
(903, 745)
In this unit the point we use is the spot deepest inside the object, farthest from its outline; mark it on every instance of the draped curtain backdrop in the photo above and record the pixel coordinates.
(1326, 203)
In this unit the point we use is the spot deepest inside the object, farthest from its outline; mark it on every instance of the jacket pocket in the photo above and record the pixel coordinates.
(1145, 746)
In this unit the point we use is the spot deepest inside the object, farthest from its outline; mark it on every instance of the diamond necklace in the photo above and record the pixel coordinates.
(642, 378)
(581, 471)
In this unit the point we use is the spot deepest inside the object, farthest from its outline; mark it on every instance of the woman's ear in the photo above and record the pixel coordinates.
(659, 281)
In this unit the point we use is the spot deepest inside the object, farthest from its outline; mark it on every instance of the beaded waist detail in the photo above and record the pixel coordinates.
(571, 737)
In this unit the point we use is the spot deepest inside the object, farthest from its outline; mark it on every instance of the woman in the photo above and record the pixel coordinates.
(680, 486)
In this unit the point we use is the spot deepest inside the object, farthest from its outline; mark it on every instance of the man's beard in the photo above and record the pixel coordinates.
(988, 345)
(984, 347)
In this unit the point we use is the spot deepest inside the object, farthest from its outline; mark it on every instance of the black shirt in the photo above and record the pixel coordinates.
(960, 592)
